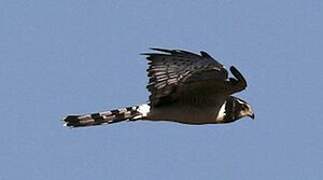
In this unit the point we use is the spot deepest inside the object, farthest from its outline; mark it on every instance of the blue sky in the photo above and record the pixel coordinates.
(62, 57)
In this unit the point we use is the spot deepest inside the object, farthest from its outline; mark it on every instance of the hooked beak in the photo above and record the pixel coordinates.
(252, 116)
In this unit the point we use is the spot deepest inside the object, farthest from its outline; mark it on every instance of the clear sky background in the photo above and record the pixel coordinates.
(62, 57)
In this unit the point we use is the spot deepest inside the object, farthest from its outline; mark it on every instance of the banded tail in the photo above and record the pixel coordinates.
(108, 117)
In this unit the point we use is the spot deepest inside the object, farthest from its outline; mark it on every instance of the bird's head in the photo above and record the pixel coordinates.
(243, 109)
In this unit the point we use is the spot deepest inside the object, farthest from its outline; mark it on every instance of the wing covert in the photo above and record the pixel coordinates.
(170, 70)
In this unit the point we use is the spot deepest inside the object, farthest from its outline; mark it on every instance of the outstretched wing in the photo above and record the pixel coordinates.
(175, 74)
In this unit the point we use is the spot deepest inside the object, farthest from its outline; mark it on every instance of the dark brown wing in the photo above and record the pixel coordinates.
(176, 73)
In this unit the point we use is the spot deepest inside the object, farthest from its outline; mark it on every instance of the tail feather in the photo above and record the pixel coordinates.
(107, 117)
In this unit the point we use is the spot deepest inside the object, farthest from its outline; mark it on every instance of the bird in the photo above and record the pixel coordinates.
(186, 88)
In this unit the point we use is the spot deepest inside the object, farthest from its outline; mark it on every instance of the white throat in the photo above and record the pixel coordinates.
(221, 114)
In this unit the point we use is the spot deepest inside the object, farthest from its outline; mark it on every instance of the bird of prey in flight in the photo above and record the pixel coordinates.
(185, 88)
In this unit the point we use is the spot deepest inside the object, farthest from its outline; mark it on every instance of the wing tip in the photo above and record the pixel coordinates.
(239, 76)
(205, 54)
(159, 51)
